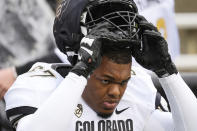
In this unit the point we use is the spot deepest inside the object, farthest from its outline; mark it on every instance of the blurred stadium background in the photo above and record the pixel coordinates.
(25, 30)
(186, 20)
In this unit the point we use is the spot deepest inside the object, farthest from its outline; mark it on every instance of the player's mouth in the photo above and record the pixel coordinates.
(110, 105)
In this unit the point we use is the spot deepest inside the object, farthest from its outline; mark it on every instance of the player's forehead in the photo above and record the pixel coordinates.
(109, 68)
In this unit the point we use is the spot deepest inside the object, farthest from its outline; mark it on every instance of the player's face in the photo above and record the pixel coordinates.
(106, 86)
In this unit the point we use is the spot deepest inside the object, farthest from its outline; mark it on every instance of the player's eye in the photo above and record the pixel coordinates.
(105, 82)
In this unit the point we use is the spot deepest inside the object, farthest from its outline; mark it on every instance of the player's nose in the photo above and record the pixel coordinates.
(114, 91)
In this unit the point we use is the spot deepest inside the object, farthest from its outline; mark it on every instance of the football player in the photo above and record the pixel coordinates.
(102, 91)
(158, 12)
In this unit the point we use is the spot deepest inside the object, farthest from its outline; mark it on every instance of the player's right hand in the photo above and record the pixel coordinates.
(89, 56)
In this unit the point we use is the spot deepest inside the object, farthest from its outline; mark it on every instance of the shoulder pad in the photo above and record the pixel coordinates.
(61, 68)
(45, 69)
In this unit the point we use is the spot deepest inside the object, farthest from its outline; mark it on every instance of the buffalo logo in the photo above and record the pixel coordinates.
(60, 9)
(79, 110)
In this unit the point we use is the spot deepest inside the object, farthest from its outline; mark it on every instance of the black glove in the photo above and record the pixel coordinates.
(152, 53)
(89, 56)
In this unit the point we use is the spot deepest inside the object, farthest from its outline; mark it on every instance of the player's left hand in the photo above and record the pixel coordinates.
(153, 53)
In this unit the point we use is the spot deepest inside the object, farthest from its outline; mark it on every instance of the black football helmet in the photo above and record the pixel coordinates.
(75, 18)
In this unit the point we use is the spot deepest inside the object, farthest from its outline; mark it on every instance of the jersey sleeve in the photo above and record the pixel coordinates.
(183, 102)
(30, 90)
(160, 121)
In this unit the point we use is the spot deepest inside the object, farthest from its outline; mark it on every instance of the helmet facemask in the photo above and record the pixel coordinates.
(121, 15)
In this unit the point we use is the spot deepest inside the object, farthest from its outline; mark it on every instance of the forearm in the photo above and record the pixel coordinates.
(57, 111)
(182, 101)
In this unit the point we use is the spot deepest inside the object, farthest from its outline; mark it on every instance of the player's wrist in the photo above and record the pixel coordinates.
(81, 69)
(168, 69)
